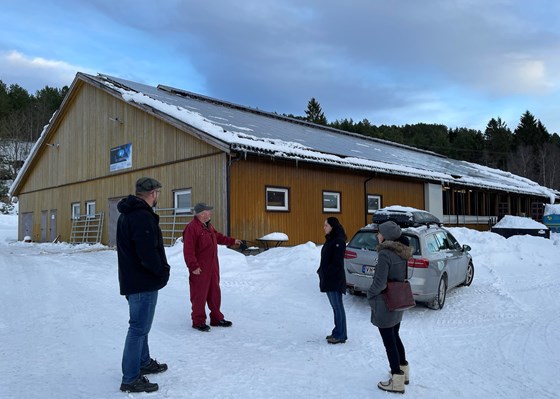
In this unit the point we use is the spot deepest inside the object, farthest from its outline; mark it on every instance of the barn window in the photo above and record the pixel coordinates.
(182, 201)
(75, 210)
(331, 201)
(277, 199)
(373, 203)
(90, 209)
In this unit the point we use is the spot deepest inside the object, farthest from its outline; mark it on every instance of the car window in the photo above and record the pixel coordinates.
(364, 240)
(442, 240)
(454, 243)
(414, 244)
(432, 243)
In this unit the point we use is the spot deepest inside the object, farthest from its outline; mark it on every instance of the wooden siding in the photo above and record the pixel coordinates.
(78, 170)
(304, 222)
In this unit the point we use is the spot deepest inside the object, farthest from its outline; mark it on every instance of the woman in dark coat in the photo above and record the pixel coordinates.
(391, 266)
(332, 279)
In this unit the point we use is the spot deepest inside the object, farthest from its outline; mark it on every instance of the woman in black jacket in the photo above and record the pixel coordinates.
(332, 279)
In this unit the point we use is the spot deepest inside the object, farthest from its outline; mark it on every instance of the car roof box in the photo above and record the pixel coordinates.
(405, 217)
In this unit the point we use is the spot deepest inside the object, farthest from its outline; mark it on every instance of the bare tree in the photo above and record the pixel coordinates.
(15, 144)
(549, 169)
(521, 162)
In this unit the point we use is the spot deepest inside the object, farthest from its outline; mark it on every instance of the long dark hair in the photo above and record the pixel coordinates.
(337, 229)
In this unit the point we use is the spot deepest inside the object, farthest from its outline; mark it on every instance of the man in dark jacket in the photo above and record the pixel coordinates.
(143, 270)
(200, 249)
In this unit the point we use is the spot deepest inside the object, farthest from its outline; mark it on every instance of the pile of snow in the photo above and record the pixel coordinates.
(63, 326)
(518, 222)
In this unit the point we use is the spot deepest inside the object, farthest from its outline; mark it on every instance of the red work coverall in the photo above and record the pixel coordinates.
(200, 249)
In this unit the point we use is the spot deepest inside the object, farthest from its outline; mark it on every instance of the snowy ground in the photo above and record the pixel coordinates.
(63, 324)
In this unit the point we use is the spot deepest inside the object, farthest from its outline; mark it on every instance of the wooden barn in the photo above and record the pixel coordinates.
(263, 172)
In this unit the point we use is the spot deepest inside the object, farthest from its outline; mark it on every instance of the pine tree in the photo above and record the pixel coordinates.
(315, 113)
(498, 142)
(527, 130)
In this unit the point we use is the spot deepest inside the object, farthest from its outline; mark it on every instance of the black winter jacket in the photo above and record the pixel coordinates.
(331, 270)
(142, 262)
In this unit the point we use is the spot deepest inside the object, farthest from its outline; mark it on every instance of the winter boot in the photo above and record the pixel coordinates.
(395, 384)
(153, 367)
(140, 385)
(406, 369)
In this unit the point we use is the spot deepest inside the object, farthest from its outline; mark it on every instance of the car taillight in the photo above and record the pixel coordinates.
(350, 255)
(418, 262)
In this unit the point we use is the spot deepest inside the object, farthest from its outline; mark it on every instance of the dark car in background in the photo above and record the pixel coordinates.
(439, 263)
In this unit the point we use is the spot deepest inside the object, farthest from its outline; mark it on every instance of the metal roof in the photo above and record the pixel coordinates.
(322, 141)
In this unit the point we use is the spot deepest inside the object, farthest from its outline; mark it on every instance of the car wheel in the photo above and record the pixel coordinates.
(470, 275)
(439, 300)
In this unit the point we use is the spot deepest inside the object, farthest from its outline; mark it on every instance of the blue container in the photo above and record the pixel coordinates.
(552, 222)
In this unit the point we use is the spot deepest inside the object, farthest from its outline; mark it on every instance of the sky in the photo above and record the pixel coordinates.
(454, 62)
(63, 326)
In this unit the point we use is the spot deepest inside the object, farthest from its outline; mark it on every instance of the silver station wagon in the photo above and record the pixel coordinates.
(439, 263)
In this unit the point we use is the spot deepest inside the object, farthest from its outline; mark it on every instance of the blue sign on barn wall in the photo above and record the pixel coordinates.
(121, 157)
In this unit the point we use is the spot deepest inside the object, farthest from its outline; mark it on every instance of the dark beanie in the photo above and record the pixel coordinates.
(390, 230)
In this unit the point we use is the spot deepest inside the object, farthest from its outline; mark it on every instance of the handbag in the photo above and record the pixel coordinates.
(398, 295)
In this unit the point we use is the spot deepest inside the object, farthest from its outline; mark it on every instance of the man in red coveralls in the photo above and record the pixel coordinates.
(200, 249)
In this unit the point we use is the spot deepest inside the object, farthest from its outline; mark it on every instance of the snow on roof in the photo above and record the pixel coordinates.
(251, 131)
(550, 209)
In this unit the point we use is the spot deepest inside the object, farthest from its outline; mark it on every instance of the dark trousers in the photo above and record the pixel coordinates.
(394, 348)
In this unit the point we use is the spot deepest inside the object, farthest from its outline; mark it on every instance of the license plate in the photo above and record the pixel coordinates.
(368, 270)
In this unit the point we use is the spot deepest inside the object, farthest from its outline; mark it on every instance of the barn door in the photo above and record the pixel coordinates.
(26, 225)
(44, 222)
(52, 226)
(113, 217)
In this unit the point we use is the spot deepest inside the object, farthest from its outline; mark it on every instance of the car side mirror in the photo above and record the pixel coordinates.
(466, 248)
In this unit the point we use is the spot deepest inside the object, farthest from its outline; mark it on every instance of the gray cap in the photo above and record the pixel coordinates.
(146, 184)
(390, 230)
(201, 206)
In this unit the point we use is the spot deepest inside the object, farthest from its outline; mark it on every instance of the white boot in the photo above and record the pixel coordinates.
(395, 384)
(406, 370)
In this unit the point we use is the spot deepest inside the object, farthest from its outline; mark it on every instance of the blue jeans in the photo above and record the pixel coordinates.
(142, 307)
(339, 331)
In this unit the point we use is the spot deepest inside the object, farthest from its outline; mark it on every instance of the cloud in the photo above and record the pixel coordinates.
(35, 73)
(446, 61)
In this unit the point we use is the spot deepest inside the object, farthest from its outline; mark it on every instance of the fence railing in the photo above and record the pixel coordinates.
(172, 224)
(87, 229)
(469, 219)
